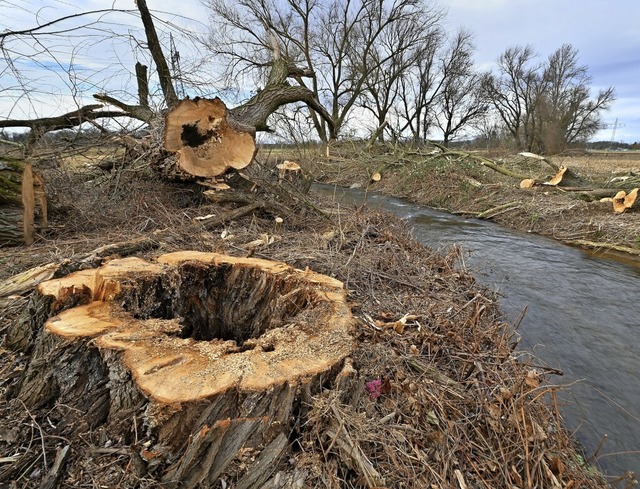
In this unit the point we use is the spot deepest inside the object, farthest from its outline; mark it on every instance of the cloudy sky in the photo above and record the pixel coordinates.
(605, 32)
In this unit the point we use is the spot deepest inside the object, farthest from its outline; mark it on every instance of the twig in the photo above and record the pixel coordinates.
(212, 221)
(44, 453)
(596, 454)
(397, 280)
(500, 209)
(50, 481)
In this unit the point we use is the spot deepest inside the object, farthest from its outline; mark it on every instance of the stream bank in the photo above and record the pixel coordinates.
(567, 311)
(465, 187)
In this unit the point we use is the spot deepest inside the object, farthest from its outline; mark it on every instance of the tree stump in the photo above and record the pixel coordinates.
(23, 205)
(212, 356)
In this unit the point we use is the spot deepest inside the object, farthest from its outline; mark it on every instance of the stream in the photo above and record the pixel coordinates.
(582, 317)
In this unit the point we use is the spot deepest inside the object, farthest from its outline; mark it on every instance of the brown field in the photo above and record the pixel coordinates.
(603, 162)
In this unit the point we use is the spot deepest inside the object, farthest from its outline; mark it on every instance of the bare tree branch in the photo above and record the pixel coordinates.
(166, 80)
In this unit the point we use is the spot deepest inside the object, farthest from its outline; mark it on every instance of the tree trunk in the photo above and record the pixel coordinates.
(205, 141)
(214, 356)
(23, 204)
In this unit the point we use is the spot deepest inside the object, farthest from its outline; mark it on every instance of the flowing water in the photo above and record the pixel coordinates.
(582, 317)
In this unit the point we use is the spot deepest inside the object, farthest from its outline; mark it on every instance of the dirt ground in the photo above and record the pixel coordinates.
(454, 403)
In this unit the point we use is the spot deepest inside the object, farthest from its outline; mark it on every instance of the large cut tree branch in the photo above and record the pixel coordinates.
(65, 121)
(256, 111)
(277, 93)
(166, 81)
(140, 112)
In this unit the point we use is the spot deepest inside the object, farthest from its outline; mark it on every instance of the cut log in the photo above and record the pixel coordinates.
(623, 201)
(212, 354)
(205, 141)
(554, 181)
(618, 202)
(528, 183)
(557, 178)
(288, 168)
(23, 204)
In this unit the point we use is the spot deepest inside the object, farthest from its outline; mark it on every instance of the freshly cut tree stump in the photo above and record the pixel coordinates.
(212, 355)
(23, 205)
(206, 142)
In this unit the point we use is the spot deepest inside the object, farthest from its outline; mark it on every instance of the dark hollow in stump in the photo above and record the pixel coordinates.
(23, 205)
(205, 140)
(214, 356)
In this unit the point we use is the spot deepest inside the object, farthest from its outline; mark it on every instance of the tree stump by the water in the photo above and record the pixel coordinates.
(212, 356)
(23, 205)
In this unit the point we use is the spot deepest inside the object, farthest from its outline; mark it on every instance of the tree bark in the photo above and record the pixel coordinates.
(23, 203)
(214, 355)
(143, 85)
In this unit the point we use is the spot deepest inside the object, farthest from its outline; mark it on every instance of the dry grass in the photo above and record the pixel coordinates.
(605, 163)
(453, 404)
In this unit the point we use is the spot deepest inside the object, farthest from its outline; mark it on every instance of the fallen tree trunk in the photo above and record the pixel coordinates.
(23, 203)
(213, 355)
(205, 140)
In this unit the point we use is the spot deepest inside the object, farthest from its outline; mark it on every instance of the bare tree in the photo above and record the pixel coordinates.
(511, 90)
(545, 106)
(419, 89)
(440, 89)
(566, 111)
(342, 42)
(461, 101)
(396, 53)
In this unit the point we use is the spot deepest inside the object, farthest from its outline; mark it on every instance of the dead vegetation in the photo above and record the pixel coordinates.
(465, 183)
(436, 393)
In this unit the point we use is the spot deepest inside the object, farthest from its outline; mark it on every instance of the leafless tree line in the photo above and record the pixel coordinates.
(545, 106)
(391, 60)
(387, 66)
